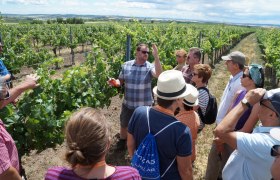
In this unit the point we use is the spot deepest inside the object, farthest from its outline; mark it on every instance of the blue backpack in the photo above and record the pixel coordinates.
(145, 158)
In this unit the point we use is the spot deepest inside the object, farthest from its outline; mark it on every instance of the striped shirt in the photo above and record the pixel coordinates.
(203, 99)
(121, 173)
(137, 82)
(8, 151)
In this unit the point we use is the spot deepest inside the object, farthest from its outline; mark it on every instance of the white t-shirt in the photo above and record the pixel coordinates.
(232, 87)
(252, 159)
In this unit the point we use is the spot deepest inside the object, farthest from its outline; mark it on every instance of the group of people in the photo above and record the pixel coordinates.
(239, 150)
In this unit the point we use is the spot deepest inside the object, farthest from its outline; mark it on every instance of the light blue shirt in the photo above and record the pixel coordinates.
(232, 87)
(252, 159)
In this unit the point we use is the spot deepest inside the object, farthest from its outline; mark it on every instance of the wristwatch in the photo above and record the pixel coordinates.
(245, 101)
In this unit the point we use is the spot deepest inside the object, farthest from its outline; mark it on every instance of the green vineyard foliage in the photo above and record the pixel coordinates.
(38, 120)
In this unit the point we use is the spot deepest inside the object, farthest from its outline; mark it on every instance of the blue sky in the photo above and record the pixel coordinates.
(237, 11)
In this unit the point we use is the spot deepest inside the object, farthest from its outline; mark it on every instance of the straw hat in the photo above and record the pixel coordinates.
(171, 85)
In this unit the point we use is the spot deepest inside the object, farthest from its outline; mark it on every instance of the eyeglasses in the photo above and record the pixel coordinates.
(275, 150)
(145, 52)
(246, 75)
(262, 104)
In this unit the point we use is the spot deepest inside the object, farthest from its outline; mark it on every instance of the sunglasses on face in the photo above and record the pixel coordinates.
(246, 75)
(262, 104)
(275, 150)
(145, 52)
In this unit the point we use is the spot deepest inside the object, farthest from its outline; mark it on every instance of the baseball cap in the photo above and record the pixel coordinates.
(236, 56)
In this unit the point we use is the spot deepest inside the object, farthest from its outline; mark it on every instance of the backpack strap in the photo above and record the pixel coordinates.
(168, 167)
(166, 127)
(148, 119)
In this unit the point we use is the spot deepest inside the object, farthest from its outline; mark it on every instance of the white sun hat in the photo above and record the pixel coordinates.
(171, 85)
(192, 98)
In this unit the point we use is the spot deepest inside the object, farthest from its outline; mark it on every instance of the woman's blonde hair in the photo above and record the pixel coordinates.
(87, 137)
(181, 51)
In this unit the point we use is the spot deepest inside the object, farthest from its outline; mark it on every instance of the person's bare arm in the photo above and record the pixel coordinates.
(225, 130)
(10, 174)
(158, 67)
(30, 82)
(130, 144)
(185, 167)
(252, 120)
(7, 77)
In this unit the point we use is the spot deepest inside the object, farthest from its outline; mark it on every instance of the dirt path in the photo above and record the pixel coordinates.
(36, 164)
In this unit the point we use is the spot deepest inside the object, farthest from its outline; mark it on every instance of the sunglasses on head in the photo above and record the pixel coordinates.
(275, 150)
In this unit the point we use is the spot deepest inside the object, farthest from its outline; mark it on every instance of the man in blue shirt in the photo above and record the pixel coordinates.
(174, 143)
(251, 158)
(4, 73)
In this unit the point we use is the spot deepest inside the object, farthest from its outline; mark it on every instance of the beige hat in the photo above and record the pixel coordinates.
(236, 56)
(192, 98)
(171, 85)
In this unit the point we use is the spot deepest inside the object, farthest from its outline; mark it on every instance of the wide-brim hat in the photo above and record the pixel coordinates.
(192, 98)
(275, 133)
(171, 85)
(274, 97)
(236, 56)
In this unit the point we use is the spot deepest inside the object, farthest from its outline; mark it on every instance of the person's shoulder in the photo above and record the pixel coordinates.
(141, 108)
(57, 170)
(126, 173)
(203, 90)
(131, 62)
(126, 169)
(185, 67)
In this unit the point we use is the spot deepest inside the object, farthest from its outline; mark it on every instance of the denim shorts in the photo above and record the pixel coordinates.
(125, 116)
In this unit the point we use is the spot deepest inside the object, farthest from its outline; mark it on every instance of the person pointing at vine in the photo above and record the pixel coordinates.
(136, 75)
(9, 160)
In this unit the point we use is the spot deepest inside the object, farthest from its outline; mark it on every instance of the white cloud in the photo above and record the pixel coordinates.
(27, 2)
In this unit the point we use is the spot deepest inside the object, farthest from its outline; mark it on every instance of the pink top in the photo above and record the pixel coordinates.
(8, 150)
(63, 173)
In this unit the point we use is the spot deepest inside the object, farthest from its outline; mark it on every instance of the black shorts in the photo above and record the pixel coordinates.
(125, 116)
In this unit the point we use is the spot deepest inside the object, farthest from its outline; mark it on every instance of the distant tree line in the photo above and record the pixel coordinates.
(59, 21)
(66, 21)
